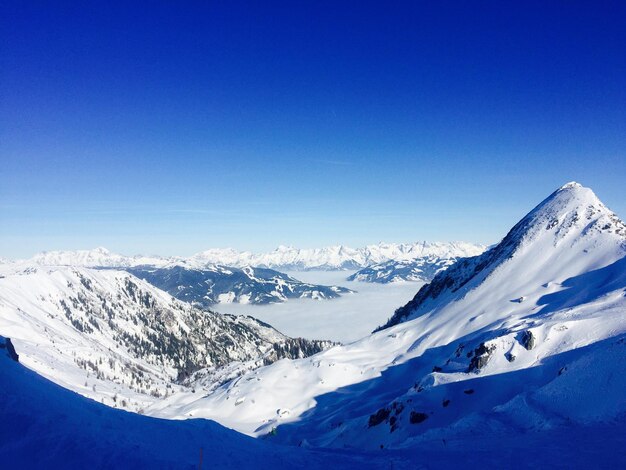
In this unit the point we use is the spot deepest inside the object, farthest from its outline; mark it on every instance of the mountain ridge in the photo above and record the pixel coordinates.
(107, 333)
(422, 269)
(215, 284)
(559, 213)
(337, 257)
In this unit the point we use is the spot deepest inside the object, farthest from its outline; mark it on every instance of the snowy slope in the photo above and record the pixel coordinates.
(221, 284)
(111, 336)
(45, 426)
(528, 337)
(569, 233)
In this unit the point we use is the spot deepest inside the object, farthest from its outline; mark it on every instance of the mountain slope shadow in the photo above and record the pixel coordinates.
(467, 407)
(43, 425)
(586, 287)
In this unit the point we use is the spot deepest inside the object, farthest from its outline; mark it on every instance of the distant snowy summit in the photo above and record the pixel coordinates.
(430, 261)
(229, 276)
(97, 258)
(417, 270)
(283, 258)
(337, 257)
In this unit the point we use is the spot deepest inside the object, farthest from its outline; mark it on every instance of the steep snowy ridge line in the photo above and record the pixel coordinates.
(572, 209)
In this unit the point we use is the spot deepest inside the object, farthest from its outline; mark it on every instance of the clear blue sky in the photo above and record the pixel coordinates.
(168, 129)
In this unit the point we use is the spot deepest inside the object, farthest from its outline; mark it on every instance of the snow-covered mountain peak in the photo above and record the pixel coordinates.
(571, 184)
(570, 196)
(573, 213)
(569, 233)
(96, 257)
(284, 248)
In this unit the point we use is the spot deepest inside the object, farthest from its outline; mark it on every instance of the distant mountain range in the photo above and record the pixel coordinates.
(283, 258)
(337, 257)
(422, 269)
(226, 276)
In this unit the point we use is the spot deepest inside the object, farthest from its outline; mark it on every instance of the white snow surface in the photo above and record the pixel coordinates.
(45, 426)
(567, 258)
(105, 334)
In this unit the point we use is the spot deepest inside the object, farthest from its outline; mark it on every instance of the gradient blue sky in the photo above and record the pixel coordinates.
(168, 129)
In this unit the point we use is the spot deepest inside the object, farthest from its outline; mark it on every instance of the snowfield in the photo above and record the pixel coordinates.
(43, 425)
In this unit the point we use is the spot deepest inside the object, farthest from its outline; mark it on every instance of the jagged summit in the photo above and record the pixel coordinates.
(571, 184)
(572, 211)
(569, 232)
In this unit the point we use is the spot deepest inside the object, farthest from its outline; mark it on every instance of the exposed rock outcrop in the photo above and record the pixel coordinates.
(482, 354)
(528, 340)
